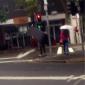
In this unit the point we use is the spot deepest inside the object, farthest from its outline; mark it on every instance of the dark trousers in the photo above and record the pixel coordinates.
(42, 48)
(65, 46)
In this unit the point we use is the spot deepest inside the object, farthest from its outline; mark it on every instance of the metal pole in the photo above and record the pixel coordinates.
(81, 28)
(17, 40)
(83, 34)
(48, 26)
(48, 29)
(23, 40)
(54, 35)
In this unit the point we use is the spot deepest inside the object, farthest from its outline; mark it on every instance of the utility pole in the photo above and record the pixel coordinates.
(81, 11)
(48, 26)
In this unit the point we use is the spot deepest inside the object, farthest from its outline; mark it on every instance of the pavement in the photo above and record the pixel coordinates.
(33, 55)
(42, 74)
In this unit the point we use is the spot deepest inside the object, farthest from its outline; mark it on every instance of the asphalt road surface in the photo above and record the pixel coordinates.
(42, 74)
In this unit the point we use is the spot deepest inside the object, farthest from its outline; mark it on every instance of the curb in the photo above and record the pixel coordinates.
(44, 61)
(75, 60)
(61, 61)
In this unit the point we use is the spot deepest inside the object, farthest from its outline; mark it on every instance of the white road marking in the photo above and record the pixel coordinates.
(19, 56)
(17, 61)
(82, 77)
(77, 82)
(25, 54)
(7, 58)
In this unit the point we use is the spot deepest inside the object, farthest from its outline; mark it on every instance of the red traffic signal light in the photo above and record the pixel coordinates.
(38, 17)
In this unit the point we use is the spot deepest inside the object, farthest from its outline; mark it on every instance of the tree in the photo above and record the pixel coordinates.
(32, 6)
(29, 5)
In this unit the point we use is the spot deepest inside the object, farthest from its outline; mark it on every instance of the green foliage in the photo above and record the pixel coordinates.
(29, 5)
(3, 16)
(20, 3)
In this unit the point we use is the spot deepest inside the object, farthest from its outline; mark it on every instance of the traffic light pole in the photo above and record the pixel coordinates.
(48, 29)
(48, 26)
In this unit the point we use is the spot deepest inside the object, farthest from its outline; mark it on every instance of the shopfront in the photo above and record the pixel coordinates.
(15, 35)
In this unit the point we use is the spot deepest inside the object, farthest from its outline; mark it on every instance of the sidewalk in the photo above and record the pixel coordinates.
(71, 58)
(77, 56)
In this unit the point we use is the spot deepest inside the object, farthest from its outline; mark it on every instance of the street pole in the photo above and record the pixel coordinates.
(83, 18)
(81, 12)
(48, 26)
(48, 29)
(81, 28)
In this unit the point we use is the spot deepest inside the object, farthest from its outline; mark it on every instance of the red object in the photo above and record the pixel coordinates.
(38, 17)
(34, 42)
(54, 42)
(76, 30)
(61, 37)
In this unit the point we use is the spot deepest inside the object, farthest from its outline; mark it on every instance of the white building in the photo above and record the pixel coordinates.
(75, 37)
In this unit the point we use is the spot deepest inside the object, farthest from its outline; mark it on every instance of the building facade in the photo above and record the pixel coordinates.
(13, 32)
(56, 16)
(15, 35)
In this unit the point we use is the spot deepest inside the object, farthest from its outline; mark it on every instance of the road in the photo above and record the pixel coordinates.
(41, 74)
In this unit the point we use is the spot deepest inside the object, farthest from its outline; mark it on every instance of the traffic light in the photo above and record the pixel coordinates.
(38, 21)
(72, 8)
(81, 5)
(38, 17)
(39, 25)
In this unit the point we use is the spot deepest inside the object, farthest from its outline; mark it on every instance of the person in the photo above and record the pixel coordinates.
(42, 44)
(64, 36)
(64, 39)
(41, 37)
